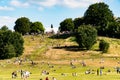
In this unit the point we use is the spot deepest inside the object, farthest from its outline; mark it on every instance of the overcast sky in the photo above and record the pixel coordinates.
(48, 11)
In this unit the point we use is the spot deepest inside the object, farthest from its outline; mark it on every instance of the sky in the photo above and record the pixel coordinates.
(48, 11)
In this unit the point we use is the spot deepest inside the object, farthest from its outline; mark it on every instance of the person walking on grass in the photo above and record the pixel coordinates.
(97, 71)
(100, 72)
(21, 72)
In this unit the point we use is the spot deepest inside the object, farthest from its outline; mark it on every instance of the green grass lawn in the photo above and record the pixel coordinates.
(7, 68)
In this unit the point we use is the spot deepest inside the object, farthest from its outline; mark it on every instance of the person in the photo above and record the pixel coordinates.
(21, 71)
(71, 64)
(118, 70)
(53, 78)
(46, 78)
(100, 72)
(97, 71)
(14, 74)
(83, 63)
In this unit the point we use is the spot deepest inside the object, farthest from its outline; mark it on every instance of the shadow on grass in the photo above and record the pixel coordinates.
(70, 48)
(60, 36)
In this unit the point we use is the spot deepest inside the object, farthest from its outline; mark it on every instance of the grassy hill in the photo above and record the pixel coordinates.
(55, 56)
(46, 48)
(41, 48)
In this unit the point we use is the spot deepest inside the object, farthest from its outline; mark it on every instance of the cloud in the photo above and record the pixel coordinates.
(40, 8)
(66, 3)
(93, 1)
(6, 8)
(51, 3)
(17, 3)
(74, 3)
(7, 20)
(79, 3)
(48, 3)
(44, 3)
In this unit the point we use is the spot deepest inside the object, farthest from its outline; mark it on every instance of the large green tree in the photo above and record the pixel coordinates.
(22, 25)
(114, 29)
(86, 36)
(11, 44)
(78, 22)
(66, 25)
(99, 14)
(37, 27)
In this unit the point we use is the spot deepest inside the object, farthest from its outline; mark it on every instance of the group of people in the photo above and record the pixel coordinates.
(24, 74)
(92, 71)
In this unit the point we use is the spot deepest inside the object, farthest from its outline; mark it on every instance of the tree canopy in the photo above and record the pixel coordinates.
(114, 30)
(36, 27)
(78, 22)
(66, 25)
(99, 14)
(22, 25)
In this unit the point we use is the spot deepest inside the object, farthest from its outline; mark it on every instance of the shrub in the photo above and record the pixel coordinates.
(9, 51)
(86, 36)
(11, 44)
(103, 46)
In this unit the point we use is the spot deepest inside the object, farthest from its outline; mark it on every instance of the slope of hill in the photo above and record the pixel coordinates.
(44, 48)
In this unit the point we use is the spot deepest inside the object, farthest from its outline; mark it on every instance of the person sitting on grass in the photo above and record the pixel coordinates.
(14, 74)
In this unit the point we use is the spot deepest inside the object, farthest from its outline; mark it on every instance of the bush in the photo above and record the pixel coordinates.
(86, 36)
(11, 44)
(9, 51)
(103, 46)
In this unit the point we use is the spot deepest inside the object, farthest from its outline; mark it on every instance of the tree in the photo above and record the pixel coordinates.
(4, 28)
(51, 26)
(77, 22)
(114, 29)
(66, 25)
(86, 36)
(99, 14)
(52, 30)
(11, 44)
(22, 25)
(36, 27)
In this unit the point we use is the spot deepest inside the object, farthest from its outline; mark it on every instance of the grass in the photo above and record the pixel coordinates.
(43, 51)
(57, 71)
